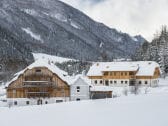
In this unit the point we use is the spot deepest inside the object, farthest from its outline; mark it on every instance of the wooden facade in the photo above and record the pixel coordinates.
(38, 82)
(100, 94)
(115, 75)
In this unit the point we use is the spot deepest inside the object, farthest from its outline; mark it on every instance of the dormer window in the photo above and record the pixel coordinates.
(38, 71)
(105, 73)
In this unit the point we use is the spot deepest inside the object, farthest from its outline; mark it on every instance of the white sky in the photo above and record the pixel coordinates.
(131, 16)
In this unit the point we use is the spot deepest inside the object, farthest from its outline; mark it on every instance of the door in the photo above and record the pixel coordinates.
(107, 83)
(39, 102)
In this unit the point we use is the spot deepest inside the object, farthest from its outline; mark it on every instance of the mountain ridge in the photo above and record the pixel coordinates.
(53, 27)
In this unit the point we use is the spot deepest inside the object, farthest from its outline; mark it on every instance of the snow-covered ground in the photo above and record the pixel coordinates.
(51, 58)
(149, 109)
(2, 91)
(141, 110)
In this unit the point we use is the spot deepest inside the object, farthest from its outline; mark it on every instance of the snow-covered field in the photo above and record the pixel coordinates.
(149, 109)
(141, 110)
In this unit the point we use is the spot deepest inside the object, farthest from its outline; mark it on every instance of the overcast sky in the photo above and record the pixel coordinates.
(132, 16)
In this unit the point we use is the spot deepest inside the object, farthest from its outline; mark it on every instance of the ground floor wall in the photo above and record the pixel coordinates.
(80, 97)
(101, 94)
(147, 82)
(124, 82)
(110, 82)
(35, 101)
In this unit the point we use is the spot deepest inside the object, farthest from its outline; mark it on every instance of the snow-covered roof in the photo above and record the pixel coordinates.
(71, 80)
(144, 68)
(42, 63)
(147, 68)
(101, 88)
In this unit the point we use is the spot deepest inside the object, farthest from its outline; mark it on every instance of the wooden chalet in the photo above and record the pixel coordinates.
(39, 81)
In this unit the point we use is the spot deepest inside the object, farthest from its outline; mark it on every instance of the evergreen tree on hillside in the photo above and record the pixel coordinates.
(157, 50)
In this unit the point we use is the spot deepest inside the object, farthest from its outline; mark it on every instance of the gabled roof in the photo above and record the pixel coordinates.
(42, 63)
(144, 68)
(73, 79)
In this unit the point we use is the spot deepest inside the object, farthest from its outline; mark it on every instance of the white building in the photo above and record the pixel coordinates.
(80, 88)
(123, 74)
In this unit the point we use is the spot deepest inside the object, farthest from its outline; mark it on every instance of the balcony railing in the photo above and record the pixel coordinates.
(132, 77)
(37, 74)
(38, 84)
(37, 94)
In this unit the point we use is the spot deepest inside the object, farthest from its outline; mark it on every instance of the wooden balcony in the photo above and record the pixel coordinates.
(37, 74)
(39, 84)
(37, 94)
(132, 77)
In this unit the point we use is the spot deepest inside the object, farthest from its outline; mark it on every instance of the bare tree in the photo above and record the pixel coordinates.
(125, 91)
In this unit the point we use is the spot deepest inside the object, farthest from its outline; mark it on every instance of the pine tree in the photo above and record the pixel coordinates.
(157, 50)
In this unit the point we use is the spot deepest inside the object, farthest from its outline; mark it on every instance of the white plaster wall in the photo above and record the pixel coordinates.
(151, 82)
(119, 84)
(84, 93)
(98, 82)
(33, 101)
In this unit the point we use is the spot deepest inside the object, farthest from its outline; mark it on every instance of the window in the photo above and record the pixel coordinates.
(115, 82)
(121, 73)
(78, 99)
(111, 82)
(126, 82)
(121, 82)
(101, 81)
(131, 73)
(77, 89)
(105, 73)
(125, 73)
(140, 82)
(46, 102)
(58, 101)
(15, 102)
(146, 82)
(38, 71)
(114, 73)
(95, 81)
(27, 102)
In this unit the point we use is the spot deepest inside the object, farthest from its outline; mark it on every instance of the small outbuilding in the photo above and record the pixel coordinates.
(100, 92)
(80, 89)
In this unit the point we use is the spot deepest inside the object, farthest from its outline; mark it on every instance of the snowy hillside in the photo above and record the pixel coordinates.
(51, 58)
(143, 110)
(53, 27)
